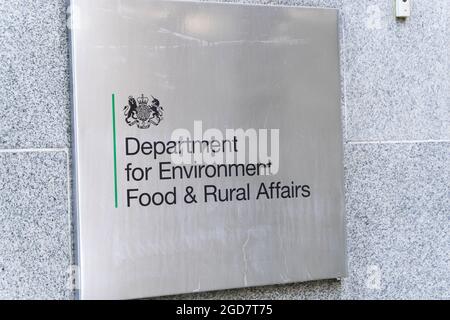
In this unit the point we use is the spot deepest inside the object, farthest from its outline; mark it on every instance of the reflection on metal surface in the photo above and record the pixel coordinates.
(208, 146)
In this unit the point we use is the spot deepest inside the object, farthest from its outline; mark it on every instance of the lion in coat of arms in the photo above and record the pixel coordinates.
(141, 113)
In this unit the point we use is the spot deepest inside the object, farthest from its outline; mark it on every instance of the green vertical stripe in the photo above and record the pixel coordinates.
(115, 149)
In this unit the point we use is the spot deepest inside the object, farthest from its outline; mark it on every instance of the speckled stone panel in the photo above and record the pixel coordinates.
(398, 211)
(35, 238)
(34, 74)
(396, 71)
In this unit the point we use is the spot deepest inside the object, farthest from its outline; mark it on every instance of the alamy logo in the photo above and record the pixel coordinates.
(143, 114)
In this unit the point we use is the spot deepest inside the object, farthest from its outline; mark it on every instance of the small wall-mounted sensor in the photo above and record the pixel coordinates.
(402, 8)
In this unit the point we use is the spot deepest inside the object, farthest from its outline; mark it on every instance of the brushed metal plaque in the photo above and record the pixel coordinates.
(147, 75)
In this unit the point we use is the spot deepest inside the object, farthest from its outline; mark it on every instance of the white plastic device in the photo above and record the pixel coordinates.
(402, 8)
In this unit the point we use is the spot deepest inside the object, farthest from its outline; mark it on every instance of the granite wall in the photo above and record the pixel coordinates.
(396, 111)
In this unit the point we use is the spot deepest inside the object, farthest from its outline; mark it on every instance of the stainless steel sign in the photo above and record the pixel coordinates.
(208, 146)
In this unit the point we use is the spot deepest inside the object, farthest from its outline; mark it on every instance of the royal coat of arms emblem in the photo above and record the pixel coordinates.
(141, 113)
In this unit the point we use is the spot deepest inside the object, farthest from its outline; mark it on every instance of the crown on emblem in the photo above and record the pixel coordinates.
(142, 99)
